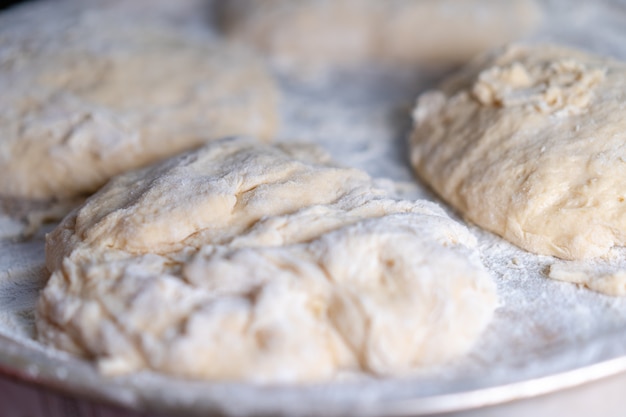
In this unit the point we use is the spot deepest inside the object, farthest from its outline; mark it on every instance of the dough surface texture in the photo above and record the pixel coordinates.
(528, 143)
(91, 89)
(597, 276)
(246, 261)
(316, 34)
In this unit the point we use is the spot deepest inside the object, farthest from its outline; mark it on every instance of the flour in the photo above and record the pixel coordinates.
(542, 327)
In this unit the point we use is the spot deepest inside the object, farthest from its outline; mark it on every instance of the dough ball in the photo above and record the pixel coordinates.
(528, 143)
(245, 261)
(318, 34)
(91, 89)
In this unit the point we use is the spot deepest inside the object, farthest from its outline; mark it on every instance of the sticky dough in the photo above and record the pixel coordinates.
(243, 261)
(91, 89)
(528, 143)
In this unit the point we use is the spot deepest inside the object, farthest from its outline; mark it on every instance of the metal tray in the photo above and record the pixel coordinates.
(545, 336)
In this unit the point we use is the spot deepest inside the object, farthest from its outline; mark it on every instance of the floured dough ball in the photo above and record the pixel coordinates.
(264, 263)
(529, 143)
(318, 34)
(91, 89)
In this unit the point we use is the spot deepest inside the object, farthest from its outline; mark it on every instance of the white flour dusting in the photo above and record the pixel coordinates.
(542, 326)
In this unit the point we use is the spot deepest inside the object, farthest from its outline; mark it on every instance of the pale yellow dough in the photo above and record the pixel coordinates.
(90, 89)
(602, 278)
(244, 261)
(305, 35)
(528, 143)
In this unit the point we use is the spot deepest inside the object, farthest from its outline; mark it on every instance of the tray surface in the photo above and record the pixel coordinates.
(546, 335)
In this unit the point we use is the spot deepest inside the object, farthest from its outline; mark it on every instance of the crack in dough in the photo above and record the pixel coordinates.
(564, 86)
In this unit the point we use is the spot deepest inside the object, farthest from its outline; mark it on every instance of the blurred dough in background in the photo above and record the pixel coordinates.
(315, 35)
(93, 88)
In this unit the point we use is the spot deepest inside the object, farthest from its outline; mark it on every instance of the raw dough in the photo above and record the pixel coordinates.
(316, 34)
(595, 276)
(93, 88)
(267, 263)
(528, 143)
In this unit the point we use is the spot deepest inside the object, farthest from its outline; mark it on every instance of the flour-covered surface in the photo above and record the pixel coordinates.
(546, 334)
